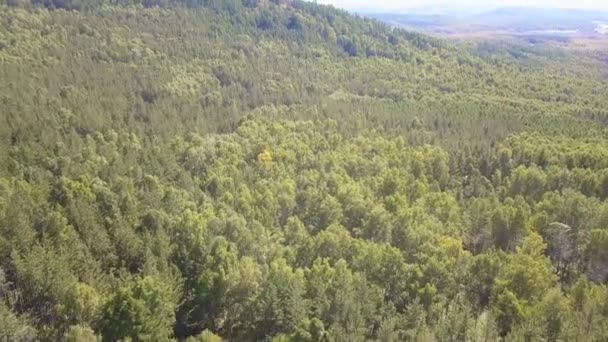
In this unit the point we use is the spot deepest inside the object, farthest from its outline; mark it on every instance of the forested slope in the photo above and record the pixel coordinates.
(269, 170)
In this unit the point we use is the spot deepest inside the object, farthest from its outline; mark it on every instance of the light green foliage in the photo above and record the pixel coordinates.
(79, 333)
(205, 336)
(13, 327)
(522, 282)
(82, 306)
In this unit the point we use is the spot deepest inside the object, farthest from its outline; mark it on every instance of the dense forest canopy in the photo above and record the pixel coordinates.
(208, 170)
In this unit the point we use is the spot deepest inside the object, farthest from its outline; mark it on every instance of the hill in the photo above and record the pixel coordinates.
(529, 25)
(281, 170)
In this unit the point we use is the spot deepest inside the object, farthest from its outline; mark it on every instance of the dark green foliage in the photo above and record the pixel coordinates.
(142, 310)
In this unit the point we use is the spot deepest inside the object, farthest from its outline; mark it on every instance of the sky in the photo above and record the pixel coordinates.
(401, 5)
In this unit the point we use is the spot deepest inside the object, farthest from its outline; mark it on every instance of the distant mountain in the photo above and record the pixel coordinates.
(541, 18)
(516, 20)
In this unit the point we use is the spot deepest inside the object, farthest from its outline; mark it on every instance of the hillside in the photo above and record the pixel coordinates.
(285, 171)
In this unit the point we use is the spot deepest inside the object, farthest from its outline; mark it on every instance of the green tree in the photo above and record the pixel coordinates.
(142, 310)
(523, 281)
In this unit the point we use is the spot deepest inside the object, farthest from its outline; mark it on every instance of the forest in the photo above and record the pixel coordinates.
(279, 170)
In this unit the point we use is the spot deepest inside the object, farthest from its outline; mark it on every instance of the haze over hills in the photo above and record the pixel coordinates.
(585, 24)
(521, 21)
(459, 6)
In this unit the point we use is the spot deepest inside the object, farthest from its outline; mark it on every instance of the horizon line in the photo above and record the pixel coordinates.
(447, 8)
